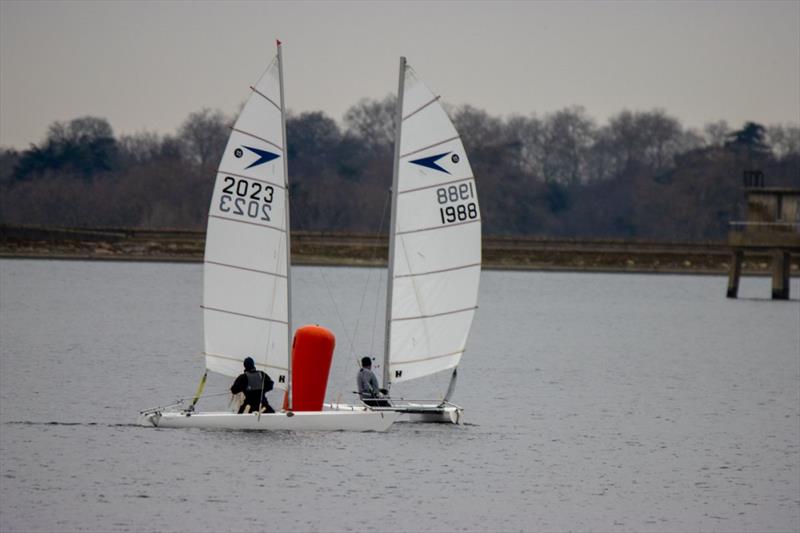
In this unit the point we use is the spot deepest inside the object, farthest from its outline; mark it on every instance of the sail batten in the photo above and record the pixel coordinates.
(238, 267)
(254, 136)
(268, 99)
(432, 228)
(436, 185)
(244, 315)
(423, 317)
(258, 365)
(434, 145)
(431, 358)
(435, 240)
(421, 108)
(237, 221)
(441, 271)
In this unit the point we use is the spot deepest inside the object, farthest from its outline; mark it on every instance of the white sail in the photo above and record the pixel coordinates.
(436, 257)
(246, 271)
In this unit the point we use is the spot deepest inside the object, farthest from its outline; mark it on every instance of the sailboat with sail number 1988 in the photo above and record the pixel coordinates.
(434, 250)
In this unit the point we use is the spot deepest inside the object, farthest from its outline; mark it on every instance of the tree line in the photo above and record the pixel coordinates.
(639, 175)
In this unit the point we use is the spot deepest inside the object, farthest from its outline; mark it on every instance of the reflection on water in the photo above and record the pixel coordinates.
(593, 402)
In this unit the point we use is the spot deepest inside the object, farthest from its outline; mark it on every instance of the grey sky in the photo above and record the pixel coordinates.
(147, 65)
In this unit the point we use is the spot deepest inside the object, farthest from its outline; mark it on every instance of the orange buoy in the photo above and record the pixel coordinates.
(312, 352)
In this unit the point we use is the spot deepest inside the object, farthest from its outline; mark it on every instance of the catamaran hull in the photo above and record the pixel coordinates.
(355, 420)
(414, 412)
(443, 415)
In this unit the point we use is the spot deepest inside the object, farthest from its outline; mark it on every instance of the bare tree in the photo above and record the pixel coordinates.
(139, 148)
(716, 132)
(313, 139)
(602, 159)
(477, 127)
(663, 138)
(529, 133)
(372, 121)
(203, 136)
(649, 138)
(784, 139)
(567, 139)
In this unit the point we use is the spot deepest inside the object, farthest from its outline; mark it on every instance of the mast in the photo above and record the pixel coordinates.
(288, 232)
(393, 191)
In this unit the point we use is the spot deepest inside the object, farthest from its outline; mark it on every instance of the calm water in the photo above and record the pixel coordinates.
(594, 402)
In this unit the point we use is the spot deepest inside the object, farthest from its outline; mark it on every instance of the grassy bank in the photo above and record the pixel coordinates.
(362, 250)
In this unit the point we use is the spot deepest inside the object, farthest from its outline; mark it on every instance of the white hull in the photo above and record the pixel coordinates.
(353, 420)
(432, 414)
(414, 412)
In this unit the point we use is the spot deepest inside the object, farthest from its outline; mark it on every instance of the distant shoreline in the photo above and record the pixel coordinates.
(339, 249)
(751, 272)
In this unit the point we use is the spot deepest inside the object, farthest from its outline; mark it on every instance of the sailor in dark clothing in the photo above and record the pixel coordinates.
(367, 384)
(254, 384)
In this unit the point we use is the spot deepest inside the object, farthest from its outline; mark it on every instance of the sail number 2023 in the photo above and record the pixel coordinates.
(456, 195)
(246, 198)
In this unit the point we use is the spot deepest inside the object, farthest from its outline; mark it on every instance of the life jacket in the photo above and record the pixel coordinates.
(255, 381)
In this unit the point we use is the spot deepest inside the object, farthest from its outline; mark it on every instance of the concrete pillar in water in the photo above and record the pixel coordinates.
(735, 273)
(780, 274)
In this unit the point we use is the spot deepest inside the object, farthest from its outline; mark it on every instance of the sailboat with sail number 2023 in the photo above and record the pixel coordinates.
(247, 275)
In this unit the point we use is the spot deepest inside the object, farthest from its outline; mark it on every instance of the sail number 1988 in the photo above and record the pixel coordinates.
(456, 194)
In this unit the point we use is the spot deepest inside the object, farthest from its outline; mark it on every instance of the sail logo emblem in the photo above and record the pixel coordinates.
(431, 161)
(263, 156)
